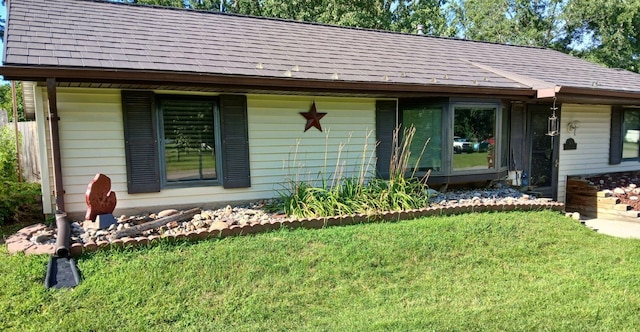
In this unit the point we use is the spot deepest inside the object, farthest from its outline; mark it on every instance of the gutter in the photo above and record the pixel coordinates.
(548, 92)
(614, 97)
(118, 76)
(544, 89)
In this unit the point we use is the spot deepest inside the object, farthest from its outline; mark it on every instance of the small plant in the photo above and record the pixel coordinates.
(334, 194)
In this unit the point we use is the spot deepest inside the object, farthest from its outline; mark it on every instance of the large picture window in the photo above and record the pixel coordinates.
(468, 139)
(474, 138)
(189, 140)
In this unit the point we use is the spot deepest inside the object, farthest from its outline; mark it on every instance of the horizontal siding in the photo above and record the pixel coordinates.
(92, 141)
(592, 153)
(281, 151)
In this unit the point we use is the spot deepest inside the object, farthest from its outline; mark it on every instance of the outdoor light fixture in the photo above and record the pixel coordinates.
(553, 125)
(572, 126)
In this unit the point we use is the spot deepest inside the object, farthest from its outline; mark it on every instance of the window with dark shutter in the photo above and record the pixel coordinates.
(385, 124)
(141, 144)
(235, 141)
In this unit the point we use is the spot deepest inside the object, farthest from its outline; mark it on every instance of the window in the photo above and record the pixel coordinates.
(474, 138)
(468, 139)
(189, 140)
(630, 134)
(428, 124)
(185, 141)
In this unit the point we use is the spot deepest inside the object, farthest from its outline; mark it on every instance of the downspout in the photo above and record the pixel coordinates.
(55, 144)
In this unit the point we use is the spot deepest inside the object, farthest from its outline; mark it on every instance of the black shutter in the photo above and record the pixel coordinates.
(385, 124)
(141, 143)
(235, 141)
(615, 144)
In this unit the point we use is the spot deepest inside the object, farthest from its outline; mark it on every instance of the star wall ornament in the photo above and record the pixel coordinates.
(313, 118)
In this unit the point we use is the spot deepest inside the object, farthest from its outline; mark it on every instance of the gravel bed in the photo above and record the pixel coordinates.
(255, 213)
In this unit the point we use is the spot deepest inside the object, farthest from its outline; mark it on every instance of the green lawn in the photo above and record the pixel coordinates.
(504, 271)
(473, 160)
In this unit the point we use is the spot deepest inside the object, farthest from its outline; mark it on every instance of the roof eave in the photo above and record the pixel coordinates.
(70, 74)
(590, 95)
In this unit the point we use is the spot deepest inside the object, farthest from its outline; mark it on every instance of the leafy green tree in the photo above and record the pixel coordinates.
(605, 31)
(517, 22)
(433, 15)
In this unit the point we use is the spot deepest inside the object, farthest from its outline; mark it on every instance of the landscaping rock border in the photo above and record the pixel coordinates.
(25, 240)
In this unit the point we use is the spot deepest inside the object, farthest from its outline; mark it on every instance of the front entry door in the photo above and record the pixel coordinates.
(543, 168)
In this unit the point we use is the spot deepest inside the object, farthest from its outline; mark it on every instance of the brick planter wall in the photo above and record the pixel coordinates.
(20, 242)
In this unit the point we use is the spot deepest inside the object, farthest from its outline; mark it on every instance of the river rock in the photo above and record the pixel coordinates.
(218, 225)
(166, 213)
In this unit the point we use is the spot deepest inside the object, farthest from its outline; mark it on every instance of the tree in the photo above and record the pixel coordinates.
(432, 14)
(605, 31)
(6, 100)
(517, 22)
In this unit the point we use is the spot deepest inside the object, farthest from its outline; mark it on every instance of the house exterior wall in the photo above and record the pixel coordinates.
(92, 141)
(593, 136)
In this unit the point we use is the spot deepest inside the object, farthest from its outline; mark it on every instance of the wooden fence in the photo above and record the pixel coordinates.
(29, 151)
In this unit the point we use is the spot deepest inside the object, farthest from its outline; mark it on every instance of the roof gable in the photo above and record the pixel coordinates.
(78, 34)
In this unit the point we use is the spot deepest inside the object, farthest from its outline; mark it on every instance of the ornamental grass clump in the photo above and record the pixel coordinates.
(332, 194)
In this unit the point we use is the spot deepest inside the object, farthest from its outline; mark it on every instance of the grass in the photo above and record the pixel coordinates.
(503, 271)
(471, 160)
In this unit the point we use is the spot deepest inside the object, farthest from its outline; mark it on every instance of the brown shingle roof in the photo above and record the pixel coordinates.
(104, 35)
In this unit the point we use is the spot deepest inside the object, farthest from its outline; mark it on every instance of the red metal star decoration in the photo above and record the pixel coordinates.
(313, 118)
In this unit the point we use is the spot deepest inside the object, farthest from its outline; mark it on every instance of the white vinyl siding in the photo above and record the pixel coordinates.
(592, 153)
(92, 141)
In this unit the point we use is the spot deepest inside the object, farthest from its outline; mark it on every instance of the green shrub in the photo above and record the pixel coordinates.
(19, 202)
(8, 155)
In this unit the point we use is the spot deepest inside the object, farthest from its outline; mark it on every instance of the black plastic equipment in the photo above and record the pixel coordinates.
(62, 273)
(61, 270)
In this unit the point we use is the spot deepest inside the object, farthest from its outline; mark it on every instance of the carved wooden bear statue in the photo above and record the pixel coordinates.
(100, 199)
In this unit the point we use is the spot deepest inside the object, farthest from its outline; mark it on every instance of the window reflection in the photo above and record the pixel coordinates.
(631, 134)
(474, 131)
(189, 146)
(428, 124)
